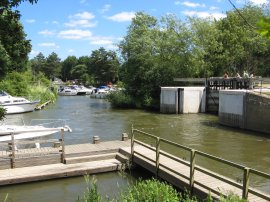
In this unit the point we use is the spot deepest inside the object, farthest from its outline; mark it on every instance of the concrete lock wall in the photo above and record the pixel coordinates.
(258, 113)
(182, 99)
(244, 109)
(231, 108)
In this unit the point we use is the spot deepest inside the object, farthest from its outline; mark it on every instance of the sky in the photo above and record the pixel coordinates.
(77, 27)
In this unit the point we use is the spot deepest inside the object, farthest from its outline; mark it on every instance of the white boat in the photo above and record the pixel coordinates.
(31, 131)
(100, 94)
(15, 105)
(67, 90)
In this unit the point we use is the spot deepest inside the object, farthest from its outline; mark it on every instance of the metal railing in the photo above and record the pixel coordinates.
(245, 186)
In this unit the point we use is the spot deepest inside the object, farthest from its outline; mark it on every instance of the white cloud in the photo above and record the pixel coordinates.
(47, 44)
(191, 4)
(204, 14)
(122, 17)
(81, 23)
(83, 15)
(75, 34)
(81, 20)
(211, 8)
(259, 2)
(70, 51)
(30, 21)
(55, 22)
(46, 32)
(105, 8)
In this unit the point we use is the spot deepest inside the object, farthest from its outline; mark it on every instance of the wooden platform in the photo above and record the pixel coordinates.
(44, 163)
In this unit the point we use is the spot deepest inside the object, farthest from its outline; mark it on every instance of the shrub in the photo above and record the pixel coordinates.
(120, 99)
(150, 190)
(91, 194)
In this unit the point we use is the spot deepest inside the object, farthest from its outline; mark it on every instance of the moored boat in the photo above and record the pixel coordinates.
(16, 105)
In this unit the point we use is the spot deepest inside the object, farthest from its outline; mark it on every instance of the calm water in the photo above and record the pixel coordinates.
(88, 117)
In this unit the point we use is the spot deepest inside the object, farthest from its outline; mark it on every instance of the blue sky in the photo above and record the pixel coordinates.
(77, 27)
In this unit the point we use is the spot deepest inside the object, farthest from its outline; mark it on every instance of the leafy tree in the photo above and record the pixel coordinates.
(241, 47)
(52, 67)
(14, 42)
(38, 63)
(104, 66)
(154, 52)
(4, 60)
(67, 65)
(78, 71)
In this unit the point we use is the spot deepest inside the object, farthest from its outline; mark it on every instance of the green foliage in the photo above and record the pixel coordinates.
(150, 190)
(91, 194)
(15, 84)
(104, 66)
(264, 27)
(120, 99)
(2, 113)
(14, 45)
(52, 67)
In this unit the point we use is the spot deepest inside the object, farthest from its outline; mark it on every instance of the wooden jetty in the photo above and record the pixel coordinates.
(35, 164)
(39, 107)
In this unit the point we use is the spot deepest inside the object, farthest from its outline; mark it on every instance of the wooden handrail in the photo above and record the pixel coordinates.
(193, 153)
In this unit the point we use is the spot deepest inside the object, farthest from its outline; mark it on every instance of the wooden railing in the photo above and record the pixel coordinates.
(245, 187)
(12, 145)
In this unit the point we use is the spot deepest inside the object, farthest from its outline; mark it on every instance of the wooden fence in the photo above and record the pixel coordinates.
(246, 172)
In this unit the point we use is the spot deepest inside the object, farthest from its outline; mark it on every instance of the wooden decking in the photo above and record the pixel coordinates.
(37, 164)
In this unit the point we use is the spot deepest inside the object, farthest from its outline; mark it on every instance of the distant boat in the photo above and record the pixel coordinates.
(16, 105)
(66, 90)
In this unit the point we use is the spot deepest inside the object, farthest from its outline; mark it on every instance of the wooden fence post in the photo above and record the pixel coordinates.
(132, 143)
(63, 156)
(157, 154)
(245, 183)
(12, 151)
(192, 169)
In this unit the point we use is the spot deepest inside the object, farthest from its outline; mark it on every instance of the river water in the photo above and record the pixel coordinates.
(88, 117)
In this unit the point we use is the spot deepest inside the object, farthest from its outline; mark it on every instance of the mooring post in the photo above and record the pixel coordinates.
(124, 136)
(63, 156)
(245, 183)
(12, 151)
(96, 139)
(157, 154)
(192, 169)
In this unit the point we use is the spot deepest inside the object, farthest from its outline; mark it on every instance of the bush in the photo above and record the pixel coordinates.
(121, 99)
(2, 113)
(150, 190)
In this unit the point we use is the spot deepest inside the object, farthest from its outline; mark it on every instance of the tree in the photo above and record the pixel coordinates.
(14, 42)
(38, 63)
(52, 67)
(154, 52)
(67, 65)
(104, 66)
(4, 61)
(241, 47)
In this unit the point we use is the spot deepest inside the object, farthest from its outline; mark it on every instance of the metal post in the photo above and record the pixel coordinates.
(12, 151)
(192, 169)
(157, 155)
(63, 156)
(245, 183)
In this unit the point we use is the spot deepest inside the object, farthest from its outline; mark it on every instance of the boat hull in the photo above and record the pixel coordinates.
(16, 108)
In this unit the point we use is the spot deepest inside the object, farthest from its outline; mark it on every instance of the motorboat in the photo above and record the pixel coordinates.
(100, 94)
(88, 91)
(80, 90)
(15, 105)
(19, 132)
(67, 90)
